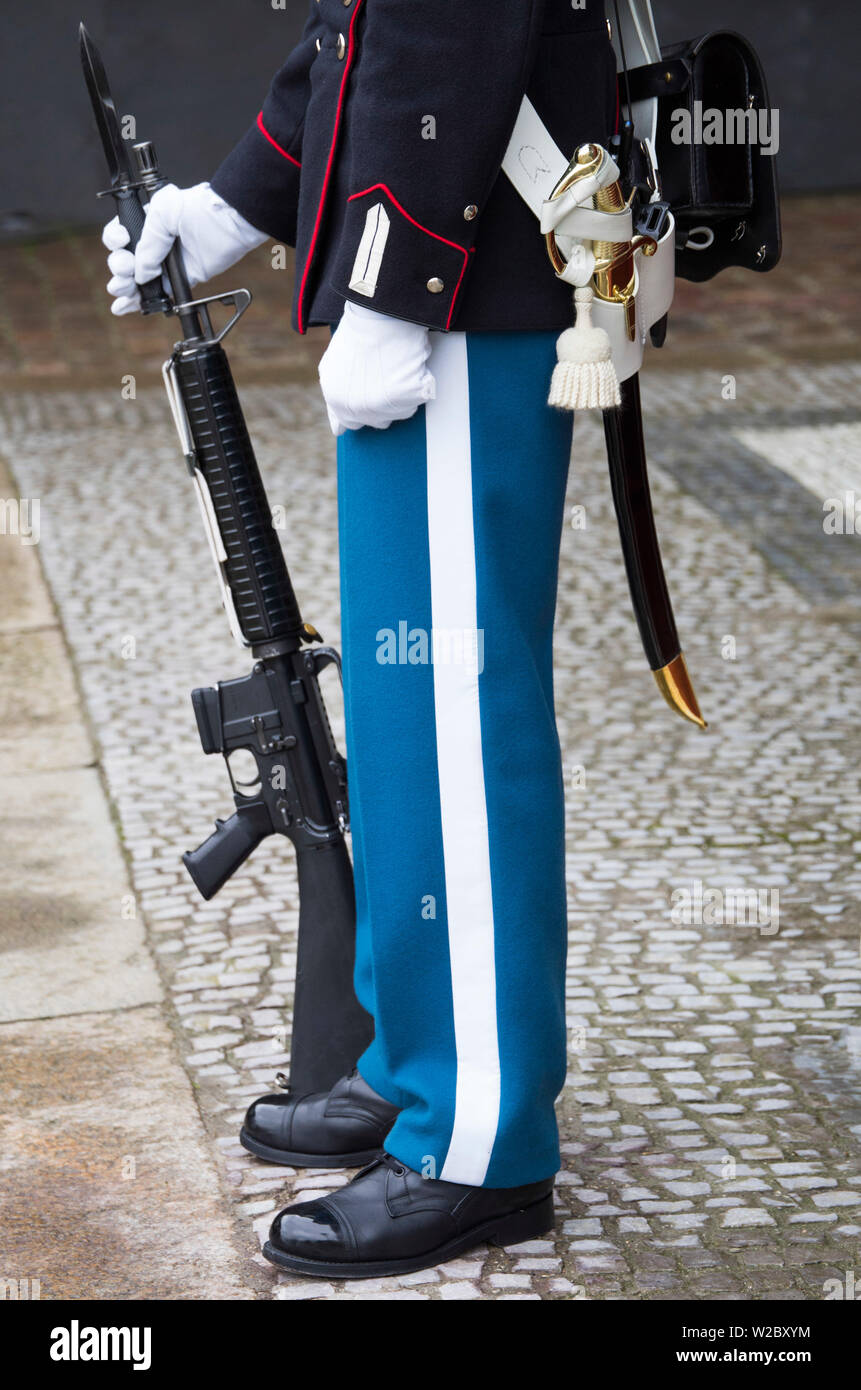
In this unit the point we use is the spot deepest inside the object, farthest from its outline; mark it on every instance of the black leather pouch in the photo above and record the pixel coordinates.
(720, 183)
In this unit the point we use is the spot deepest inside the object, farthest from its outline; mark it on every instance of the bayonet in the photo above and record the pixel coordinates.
(105, 112)
(125, 188)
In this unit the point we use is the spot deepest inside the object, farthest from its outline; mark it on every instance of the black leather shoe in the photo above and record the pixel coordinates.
(341, 1128)
(390, 1220)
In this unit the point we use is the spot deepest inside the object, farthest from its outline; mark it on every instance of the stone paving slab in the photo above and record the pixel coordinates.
(107, 1186)
(711, 1118)
(106, 1190)
(70, 939)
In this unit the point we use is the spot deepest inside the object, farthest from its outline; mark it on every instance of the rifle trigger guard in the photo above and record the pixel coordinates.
(239, 299)
(321, 657)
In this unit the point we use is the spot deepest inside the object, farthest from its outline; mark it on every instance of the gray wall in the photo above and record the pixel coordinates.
(194, 73)
(811, 51)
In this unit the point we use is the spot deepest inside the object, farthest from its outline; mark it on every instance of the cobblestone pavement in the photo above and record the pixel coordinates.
(711, 1119)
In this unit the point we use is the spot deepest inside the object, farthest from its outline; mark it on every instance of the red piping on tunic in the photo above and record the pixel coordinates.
(465, 251)
(347, 65)
(263, 131)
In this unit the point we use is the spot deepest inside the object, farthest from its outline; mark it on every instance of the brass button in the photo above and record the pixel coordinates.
(435, 285)
(317, 42)
(470, 212)
(342, 46)
(348, 2)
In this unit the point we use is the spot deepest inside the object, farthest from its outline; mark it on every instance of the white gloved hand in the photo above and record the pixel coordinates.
(213, 236)
(374, 370)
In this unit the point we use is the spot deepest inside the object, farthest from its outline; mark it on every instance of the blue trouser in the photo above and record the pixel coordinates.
(450, 526)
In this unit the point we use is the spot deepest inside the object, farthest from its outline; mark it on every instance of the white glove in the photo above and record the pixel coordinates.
(212, 235)
(375, 370)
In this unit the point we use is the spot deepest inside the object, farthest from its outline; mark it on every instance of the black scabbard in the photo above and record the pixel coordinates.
(629, 480)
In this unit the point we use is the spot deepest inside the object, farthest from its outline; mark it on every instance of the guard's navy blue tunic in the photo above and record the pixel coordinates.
(449, 536)
(413, 102)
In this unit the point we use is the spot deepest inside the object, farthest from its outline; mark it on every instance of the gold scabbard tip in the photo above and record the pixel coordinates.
(674, 684)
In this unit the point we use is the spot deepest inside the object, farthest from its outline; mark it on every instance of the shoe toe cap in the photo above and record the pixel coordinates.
(311, 1229)
(268, 1119)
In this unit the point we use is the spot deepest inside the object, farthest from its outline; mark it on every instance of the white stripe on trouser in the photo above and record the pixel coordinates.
(463, 806)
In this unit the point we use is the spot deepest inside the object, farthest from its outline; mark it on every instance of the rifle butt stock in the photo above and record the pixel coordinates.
(330, 1028)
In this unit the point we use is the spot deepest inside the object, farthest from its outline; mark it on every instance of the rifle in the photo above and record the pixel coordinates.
(276, 713)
